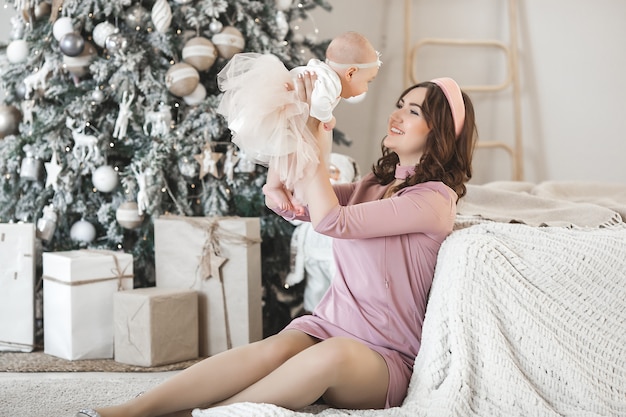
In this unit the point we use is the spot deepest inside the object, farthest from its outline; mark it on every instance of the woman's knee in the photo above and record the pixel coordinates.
(280, 347)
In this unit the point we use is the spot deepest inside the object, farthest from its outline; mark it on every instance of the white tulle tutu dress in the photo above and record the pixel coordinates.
(267, 121)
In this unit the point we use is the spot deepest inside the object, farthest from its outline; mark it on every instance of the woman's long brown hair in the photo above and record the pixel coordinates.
(446, 158)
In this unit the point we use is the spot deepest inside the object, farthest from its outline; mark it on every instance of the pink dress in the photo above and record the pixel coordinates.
(385, 250)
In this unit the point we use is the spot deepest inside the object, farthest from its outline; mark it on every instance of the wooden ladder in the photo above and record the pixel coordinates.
(512, 77)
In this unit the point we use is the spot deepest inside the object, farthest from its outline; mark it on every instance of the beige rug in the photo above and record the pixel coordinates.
(41, 362)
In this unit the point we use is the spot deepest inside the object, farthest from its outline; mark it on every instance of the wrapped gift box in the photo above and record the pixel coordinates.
(78, 294)
(188, 254)
(155, 326)
(17, 287)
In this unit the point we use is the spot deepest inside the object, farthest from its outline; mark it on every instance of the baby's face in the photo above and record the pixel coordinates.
(358, 83)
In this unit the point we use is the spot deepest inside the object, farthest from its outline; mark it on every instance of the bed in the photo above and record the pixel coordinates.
(527, 312)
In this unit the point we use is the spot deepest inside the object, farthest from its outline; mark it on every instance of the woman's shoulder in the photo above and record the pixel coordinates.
(436, 186)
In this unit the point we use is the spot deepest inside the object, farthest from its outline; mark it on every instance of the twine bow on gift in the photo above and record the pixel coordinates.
(212, 260)
(118, 273)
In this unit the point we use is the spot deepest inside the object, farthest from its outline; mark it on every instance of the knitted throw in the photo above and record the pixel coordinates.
(521, 321)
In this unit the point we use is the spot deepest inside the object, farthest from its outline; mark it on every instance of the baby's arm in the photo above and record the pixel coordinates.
(330, 125)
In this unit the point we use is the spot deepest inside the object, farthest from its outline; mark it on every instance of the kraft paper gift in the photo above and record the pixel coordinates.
(220, 257)
(78, 294)
(17, 287)
(155, 326)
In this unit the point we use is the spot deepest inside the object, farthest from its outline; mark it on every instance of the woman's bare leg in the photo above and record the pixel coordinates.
(345, 372)
(215, 378)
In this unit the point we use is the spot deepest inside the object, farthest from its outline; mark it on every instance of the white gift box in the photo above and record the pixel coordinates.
(155, 326)
(17, 287)
(78, 294)
(230, 303)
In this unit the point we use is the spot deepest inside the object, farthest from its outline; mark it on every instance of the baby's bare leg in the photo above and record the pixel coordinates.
(276, 191)
(215, 378)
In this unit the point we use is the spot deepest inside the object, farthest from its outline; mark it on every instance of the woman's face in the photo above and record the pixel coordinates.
(407, 128)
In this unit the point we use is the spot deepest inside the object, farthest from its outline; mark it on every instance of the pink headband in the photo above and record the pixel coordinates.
(453, 94)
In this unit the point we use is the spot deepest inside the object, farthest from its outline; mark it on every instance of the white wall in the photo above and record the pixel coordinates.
(573, 79)
(572, 71)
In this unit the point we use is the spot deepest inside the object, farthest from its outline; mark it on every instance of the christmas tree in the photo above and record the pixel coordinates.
(109, 122)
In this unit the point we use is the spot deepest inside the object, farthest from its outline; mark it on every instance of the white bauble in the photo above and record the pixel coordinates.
(200, 53)
(104, 178)
(62, 27)
(83, 231)
(162, 15)
(101, 32)
(229, 42)
(17, 51)
(127, 215)
(197, 97)
(181, 79)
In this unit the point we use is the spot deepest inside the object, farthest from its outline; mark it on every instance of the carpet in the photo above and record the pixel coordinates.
(41, 362)
(63, 394)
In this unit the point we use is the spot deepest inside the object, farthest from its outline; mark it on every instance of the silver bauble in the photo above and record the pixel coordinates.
(101, 32)
(216, 26)
(21, 91)
(72, 44)
(98, 95)
(136, 17)
(10, 118)
(116, 43)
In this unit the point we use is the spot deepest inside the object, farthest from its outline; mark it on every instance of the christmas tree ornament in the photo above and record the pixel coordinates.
(209, 162)
(85, 146)
(181, 79)
(62, 27)
(47, 223)
(52, 172)
(83, 231)
(17, 51)
(215, 26)
(121, 123)
(200, 53)
(101, 32)
(230, 162)
(79, 65)
(31, 168)
(282, 25)
(127, 215)
(72, 44)
(116, 43)
(136, 17)
(37, 81)
(142, 193)
(197, 96)
(105, 178)
(229, 42)
(283, 4)
(17, 28)
(21, 91)
(183, 1)
(161, 15)
(245, 165)
(97, 95)
(42, 10)
(157, 123)
(10, 118)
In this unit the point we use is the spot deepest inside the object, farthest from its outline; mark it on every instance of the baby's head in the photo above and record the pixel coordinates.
(355, 60)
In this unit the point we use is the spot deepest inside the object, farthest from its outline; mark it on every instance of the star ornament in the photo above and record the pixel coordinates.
(215, 265)
(209, 161)
(52, 172)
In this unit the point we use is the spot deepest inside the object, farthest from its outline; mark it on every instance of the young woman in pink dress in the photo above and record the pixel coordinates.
(358, 347)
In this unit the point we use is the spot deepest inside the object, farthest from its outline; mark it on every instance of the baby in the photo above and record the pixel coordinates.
(268, 121)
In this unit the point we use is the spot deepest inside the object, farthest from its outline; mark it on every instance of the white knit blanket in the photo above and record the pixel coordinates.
(521, 321)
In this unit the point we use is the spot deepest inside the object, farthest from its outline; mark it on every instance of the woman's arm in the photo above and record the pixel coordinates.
(317, 191)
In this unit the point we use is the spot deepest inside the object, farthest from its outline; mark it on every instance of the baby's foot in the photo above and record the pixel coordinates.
(279, 197)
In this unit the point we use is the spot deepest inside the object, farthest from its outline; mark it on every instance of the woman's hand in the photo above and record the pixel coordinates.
(304, 85)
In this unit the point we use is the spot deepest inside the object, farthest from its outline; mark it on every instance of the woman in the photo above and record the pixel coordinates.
(357, 348)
